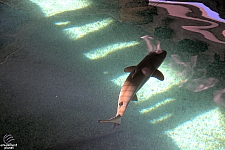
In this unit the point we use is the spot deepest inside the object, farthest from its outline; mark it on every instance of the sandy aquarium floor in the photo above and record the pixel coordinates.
(62, 66)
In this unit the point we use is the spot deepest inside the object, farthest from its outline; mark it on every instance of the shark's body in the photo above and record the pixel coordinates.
(137, 78)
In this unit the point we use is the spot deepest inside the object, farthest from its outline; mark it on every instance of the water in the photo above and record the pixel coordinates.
(61, 70)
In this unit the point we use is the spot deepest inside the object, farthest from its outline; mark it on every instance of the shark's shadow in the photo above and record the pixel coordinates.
(88, 142)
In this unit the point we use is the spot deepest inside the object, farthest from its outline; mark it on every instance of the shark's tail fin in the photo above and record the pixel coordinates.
(116, 120)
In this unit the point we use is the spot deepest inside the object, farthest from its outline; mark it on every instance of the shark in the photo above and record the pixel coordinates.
(138, 76)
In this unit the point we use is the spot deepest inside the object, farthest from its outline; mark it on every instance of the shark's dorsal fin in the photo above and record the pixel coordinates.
(129, 69)
(157, 74)
(134, 98)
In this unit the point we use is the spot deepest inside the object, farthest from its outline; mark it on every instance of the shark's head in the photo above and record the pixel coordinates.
(158, 53)
(161, 53)
(156, 57)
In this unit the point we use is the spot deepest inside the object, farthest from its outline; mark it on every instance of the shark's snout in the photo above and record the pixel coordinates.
(159, 51)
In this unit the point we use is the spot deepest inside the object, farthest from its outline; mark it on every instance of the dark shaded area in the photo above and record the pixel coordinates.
(103, 4)
(167, 21)
(17, 17)
(168, 44)
(11, 23)
(217, 68)
(136, 3)
(138, 11)
(163, 33)
(4, 40)
(148, 14)
(26, 130)
(94, 142)
(192, 46)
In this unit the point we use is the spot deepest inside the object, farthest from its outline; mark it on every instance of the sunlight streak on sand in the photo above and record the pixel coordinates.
(53, 7)
(79, 32)
(206, 131)
(103, 51)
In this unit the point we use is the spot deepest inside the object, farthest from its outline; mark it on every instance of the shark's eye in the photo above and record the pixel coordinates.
(121, 103)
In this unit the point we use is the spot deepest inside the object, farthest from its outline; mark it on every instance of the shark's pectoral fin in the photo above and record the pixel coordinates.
(129, 69)
(157, 74)
(116, 120)
(134, 98)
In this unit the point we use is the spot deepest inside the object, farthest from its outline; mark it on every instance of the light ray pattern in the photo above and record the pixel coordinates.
(62, 23)
(206, 131)
(79, 32)
(53, 7)
(161, 118)
(156, 106)
(103, 51)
